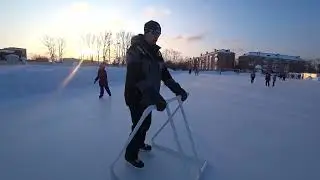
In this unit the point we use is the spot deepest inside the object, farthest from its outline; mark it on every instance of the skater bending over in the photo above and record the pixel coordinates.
(145, 70)
(103, 80)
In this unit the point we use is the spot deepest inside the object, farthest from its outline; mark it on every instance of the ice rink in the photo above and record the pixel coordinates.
(54, 127)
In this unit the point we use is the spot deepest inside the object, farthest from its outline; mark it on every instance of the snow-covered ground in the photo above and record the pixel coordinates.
(54, 127)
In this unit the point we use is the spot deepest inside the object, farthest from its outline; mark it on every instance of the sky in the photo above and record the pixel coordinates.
(289, 27)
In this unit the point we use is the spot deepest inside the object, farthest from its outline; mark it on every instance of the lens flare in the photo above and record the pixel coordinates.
(70, 76)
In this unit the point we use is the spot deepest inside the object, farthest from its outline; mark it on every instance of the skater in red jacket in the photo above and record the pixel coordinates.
(103, 80)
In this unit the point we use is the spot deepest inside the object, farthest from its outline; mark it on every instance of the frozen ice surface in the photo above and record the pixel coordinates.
(245, 131)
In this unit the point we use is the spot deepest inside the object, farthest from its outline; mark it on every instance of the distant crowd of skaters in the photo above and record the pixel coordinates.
(196, 71)
(274, 76)
(267, 78)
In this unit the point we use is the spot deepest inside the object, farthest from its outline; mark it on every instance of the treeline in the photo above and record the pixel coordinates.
(175, 60)
(55, 47)
(106, 47)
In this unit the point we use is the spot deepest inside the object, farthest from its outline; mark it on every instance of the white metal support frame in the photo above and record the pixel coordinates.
(180, 152)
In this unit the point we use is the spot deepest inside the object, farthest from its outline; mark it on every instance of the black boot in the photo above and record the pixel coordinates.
(136, 162)
(100, 96)
(146, 147)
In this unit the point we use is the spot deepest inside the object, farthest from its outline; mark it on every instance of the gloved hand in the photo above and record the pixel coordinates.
(161, 104)
(151, 97)
(176, 89)
(183, 94)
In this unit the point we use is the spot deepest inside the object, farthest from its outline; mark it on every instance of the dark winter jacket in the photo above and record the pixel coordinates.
(102, 77)
(145, 70)
(268, 77)
(274, 77)
(253, 75)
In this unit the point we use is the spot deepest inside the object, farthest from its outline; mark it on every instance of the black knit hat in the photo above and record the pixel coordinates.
(152, 26)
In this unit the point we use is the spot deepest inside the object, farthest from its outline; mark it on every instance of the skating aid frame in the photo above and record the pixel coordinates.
(180, 152)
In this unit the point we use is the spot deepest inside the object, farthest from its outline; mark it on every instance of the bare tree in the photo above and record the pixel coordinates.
(117, 45)
(50, 44)
(84, 47)
(93, 42)
(121, 37)
(109, 43)
(98, 44)
(174, 55)
(124, 42)
(129, 36)
(166, 55)
(171, 54)
(106, 45)
(61, 43)
(89, 39)
(127, 44)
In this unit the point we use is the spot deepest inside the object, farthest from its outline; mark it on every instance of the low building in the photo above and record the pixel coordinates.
(225, 59)
(21, 52)
(10, 53)
(222, 59)
(4, 53)
(271, 62)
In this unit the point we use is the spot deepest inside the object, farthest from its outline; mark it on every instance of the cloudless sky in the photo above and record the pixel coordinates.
(191, 26)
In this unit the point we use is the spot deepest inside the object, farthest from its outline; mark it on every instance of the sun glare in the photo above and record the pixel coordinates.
(86, 52)
(74, 21)
(80, 7)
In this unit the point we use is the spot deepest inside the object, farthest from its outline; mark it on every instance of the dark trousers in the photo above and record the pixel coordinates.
(273, 83)
(104, 87)
(252, 79)
(138, 140)
(268, 83)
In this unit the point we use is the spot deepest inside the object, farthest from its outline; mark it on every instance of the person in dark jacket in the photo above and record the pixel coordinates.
(103, 80)
(145, 71)
(268, 78)
(274, 79)
(253, 76)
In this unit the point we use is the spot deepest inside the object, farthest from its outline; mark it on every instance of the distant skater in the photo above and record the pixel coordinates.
(274, 78)
(196, 68)
(268, 78)
(196, 71)
(253, 76)
(103, 80)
